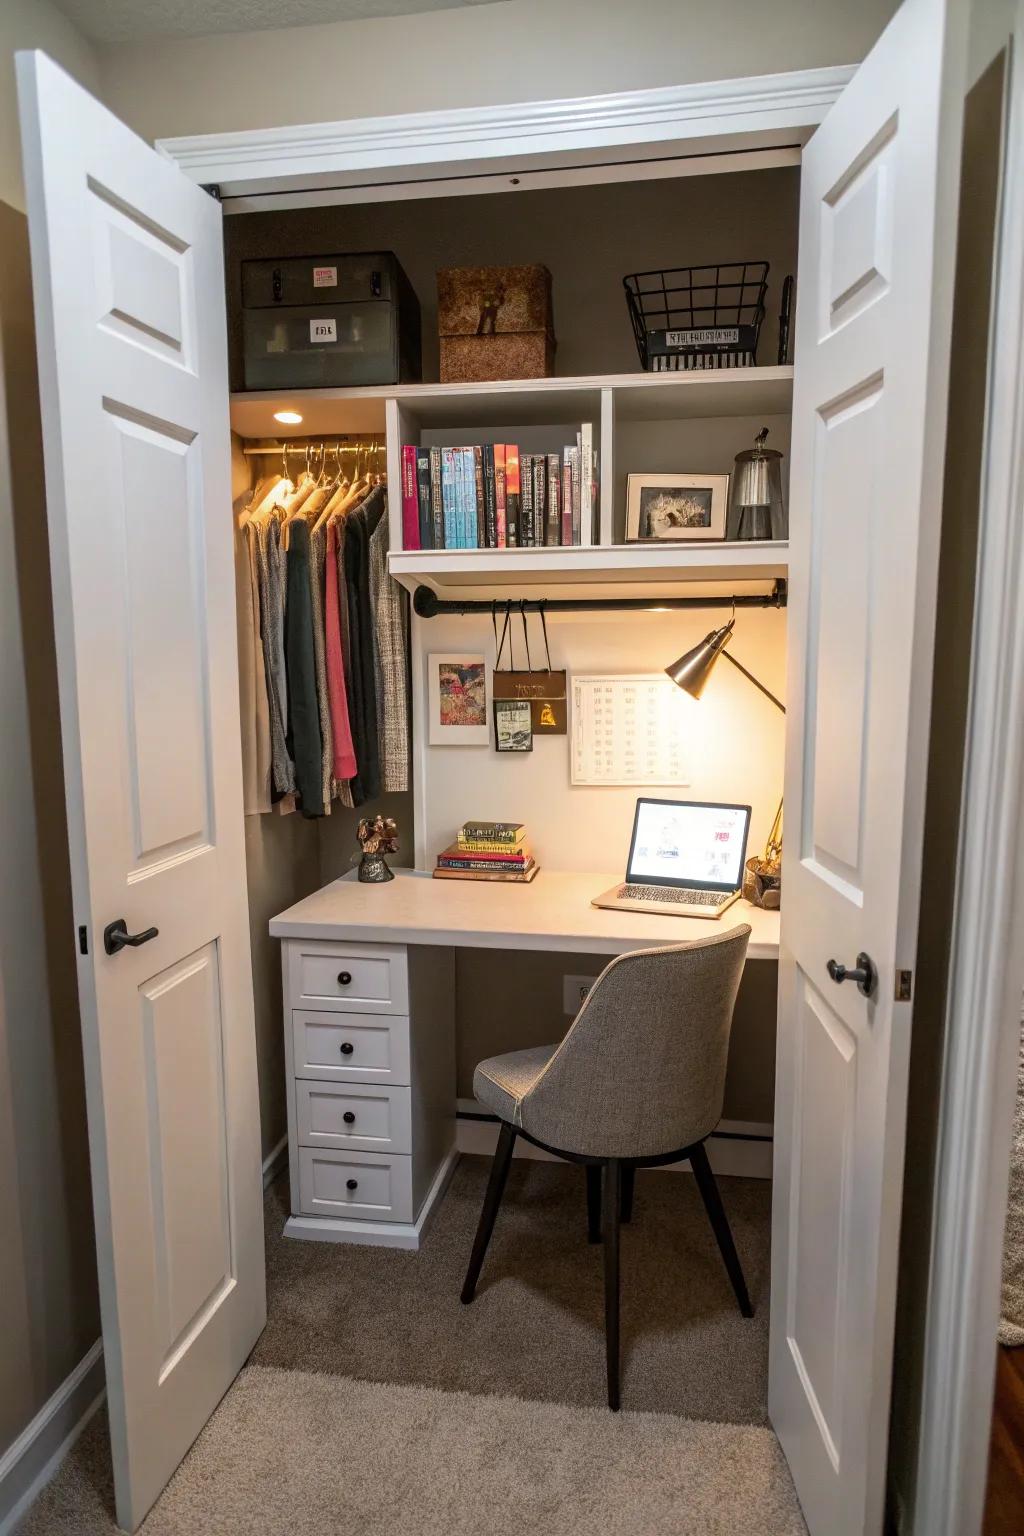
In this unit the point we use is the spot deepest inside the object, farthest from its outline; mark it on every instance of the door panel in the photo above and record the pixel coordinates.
(877, 241)
(129, 294)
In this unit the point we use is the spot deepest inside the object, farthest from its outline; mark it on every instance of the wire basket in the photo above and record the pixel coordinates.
(698, 317)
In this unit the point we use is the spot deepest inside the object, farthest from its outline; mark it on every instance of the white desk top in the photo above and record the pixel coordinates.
(553, 912)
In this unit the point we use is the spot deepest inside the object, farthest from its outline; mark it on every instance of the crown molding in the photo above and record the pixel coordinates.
(743, 113)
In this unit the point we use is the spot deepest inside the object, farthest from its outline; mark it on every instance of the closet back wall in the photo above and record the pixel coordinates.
(589, 238)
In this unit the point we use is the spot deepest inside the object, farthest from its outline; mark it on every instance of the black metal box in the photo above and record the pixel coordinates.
(312, 321)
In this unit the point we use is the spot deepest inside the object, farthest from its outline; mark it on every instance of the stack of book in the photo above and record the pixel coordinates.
(488, 850)
(494, 497)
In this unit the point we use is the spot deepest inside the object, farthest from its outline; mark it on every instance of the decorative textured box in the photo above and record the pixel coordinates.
(495, 323)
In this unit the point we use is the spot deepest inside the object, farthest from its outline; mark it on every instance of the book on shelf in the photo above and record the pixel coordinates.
(512, 495)
(502, 876)
(495, 496)
(410, 499)
(423, 496)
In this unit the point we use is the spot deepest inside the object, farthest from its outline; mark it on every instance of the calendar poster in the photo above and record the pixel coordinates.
(631, 730)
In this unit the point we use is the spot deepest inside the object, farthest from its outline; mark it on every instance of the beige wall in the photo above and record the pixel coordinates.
(34, 24)
(47, 1258)
(523, 50)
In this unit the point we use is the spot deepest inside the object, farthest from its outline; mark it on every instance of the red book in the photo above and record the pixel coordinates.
(410, 500)
(499, 494)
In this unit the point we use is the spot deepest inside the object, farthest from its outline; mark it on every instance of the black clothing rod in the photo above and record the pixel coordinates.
(428, 605)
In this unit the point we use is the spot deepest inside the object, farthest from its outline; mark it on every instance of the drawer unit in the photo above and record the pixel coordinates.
(354, 1116)
(366, 978)
(361, 1186)
(350, 1048)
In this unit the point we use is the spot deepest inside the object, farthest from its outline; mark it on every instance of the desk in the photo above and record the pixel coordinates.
(369, 1002)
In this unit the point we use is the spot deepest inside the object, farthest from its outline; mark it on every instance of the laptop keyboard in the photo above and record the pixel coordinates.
(674, 894)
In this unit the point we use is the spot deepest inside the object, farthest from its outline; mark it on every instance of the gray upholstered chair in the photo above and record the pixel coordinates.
(637, 1081)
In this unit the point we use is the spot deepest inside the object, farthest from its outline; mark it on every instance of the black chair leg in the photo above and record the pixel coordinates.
(612, 1198)
(720, 1224)
(628, 1181)
(593, 1202)
(489, 1210)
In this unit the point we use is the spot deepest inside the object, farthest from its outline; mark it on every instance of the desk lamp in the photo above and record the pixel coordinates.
(690, 673)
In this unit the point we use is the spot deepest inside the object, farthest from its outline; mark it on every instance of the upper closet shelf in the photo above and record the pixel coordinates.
(620, 570)
(635, 397)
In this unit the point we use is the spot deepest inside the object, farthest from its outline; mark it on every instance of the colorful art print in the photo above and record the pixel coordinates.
(675, 507)
(459, 697)
(513, 730)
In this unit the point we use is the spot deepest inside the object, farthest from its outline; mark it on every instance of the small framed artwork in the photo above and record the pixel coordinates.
(513, 725)
(676, 507)
(458, 691)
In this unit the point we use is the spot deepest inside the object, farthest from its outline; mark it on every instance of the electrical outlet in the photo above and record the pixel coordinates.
(574, 992)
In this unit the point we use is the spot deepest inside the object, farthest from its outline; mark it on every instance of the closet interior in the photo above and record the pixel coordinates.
(590, 238)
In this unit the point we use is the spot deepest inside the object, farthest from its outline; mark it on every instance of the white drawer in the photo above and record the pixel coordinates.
(364, 1186)
(354, 1116)
(350, 1048)
(363, 978)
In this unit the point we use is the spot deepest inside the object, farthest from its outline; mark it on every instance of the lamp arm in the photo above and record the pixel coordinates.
(752, 679)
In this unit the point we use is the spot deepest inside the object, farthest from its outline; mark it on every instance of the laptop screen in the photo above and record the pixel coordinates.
(689, 844)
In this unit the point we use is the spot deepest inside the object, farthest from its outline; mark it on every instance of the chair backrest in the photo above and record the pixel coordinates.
(641, 1071)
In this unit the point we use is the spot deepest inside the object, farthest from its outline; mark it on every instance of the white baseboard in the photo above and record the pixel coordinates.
(274, 1162)
(738, 1148)
(27, 1465)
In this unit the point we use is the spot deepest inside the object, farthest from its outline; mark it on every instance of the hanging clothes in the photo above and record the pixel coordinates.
(317, 565)
(343, 765)
(389, 605)
(255, 718)
(360, 525)
(268, 550)
(304, 740)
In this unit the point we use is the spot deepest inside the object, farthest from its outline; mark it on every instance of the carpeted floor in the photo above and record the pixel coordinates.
(291, 1453)
(536, 1328)
(375, 1403)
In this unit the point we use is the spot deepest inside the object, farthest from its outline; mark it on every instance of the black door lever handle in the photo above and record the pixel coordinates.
(116, 936)
(864, 973)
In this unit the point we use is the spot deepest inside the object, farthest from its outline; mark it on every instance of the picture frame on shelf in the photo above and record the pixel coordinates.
(459, 699)
(675, 508)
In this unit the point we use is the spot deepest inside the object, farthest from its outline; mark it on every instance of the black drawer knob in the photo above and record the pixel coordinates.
(348, 1117)
(344, 978)
(347, 1047)
(351, 1183)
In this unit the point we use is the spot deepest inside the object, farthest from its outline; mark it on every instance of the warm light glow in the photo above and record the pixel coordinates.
(288, 418)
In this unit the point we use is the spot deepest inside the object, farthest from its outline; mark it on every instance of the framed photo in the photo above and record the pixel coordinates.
(676, 507)
(459, 697)
(513, 725)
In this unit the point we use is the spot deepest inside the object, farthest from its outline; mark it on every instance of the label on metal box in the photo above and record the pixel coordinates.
(325, 277)
(323, 330)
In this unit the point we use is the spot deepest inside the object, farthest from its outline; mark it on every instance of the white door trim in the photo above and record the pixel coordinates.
(757, 111)
(987, 958)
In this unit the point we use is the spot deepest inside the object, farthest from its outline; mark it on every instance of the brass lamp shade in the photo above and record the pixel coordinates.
(694, 667)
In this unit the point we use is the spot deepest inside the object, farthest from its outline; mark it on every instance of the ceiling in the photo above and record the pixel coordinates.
(130, 21)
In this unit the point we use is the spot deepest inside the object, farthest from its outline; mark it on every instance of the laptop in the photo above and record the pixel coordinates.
(685, 859)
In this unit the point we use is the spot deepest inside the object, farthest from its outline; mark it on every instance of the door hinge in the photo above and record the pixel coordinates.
(83, 939)
(904, 986)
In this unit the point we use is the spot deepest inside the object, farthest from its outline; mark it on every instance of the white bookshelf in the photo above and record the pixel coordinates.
(616, 404)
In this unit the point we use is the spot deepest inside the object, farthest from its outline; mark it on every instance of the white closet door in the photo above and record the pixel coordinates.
(129, 297)
(877, 237)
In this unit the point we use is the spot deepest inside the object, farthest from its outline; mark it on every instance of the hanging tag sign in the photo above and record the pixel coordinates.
(323, 330)
(544, 691)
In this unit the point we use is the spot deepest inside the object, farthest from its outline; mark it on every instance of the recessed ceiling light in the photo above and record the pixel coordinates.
(287, 418)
